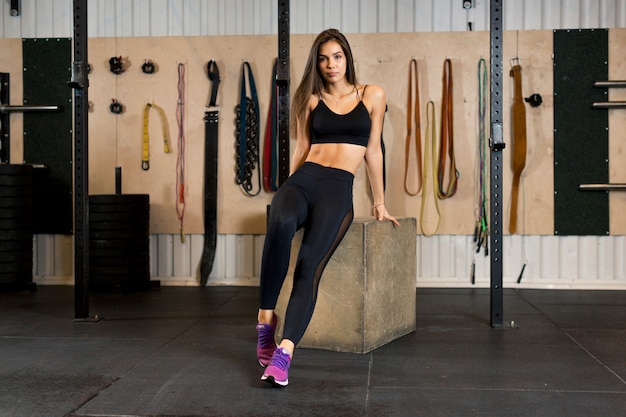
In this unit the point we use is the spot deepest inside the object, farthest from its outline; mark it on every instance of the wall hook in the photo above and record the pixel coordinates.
(116, 107)
(116, 65)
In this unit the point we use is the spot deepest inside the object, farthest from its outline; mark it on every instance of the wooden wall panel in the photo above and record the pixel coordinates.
(116, 139)
(11, 62)
(617, 127)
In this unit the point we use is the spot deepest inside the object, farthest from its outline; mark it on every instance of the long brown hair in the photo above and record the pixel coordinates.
(312, 81)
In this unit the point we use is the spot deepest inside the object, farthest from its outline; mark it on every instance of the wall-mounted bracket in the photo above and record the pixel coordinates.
(15, 8)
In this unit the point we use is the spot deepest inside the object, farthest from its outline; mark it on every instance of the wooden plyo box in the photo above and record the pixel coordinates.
(367, 294)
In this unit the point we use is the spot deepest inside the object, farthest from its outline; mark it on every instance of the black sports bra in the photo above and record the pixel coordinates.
(327, 126)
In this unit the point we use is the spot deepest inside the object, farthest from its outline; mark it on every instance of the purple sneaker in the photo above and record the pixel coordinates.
(277, 373)
(266, 345)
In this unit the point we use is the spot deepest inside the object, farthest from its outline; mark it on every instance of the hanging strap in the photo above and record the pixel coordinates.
(430, 144)
(270, 148)
(145, 156)
(481, 230)
(446, 148)
(213, 72)
(410, 116)
(519, 143)
(211, 120)
(248, 134)
(180, 162)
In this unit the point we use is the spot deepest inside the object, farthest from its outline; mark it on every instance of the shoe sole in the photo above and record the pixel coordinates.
(272, 381)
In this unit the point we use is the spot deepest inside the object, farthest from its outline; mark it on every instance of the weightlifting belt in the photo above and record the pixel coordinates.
(211, 120)
(519, 143)
(410, 115)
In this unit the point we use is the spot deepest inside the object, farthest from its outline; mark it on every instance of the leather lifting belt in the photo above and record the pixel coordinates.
(519, 143)
(211, 136)
(446, 148)
(413, 114)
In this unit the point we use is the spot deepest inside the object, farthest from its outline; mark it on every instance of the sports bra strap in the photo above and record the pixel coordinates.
(357, 93)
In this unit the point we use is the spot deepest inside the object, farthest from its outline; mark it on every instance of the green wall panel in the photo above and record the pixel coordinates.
(580, 132)
(48, 135)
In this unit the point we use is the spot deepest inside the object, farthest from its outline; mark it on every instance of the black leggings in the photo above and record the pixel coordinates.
(319, 199)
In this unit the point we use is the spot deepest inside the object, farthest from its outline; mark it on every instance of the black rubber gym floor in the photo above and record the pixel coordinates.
(190, 351)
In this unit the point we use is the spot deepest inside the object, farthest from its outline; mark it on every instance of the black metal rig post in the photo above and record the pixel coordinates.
(496, 145)
(282, 81)
(80, 83)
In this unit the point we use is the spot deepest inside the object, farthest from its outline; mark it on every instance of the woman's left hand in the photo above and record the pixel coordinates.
(380, 212)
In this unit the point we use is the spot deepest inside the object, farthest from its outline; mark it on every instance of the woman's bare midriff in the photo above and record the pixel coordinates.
(345, 156)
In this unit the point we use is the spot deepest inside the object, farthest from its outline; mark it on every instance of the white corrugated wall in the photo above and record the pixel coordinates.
(551, 261)
(117, 18)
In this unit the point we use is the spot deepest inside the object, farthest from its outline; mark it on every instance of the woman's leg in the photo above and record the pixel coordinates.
(287, 212)
(329, 220)
(329, 216)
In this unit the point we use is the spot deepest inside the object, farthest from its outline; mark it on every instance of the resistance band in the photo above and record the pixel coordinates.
(481, 231)
(413, 78)
(446, 148)
(430, 144)
(180, 162)
(270, 148)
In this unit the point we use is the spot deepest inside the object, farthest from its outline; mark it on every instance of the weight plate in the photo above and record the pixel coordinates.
(16, 234)
(16, 245)
(16, 202)
(15, 169)
(16, 223)
(16, 212)
(16, 180)
(138, 251)
(12, 267)
(118, 234)
(117, 243)
(98, 217)
(118, 269)
(130, 261)
(15, 278)
(16, 256)
(104, 199)
(16, 192)
(119, 208)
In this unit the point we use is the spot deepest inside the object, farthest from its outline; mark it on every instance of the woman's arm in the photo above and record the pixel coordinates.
(303, 142)
(374, 153)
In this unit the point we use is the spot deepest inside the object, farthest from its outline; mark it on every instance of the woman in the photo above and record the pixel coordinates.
(338, 123)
